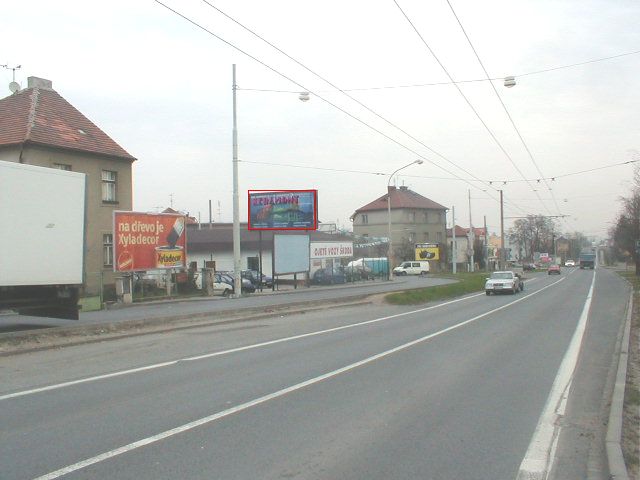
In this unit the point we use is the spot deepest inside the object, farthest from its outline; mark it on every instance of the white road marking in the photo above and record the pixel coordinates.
(252, 403)
(222, 352)
(540, 455)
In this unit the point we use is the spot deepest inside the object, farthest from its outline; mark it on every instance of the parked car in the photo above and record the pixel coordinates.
(221, 285)
(247, 286)
(528, 267)
(553, 269)
(504, 281)
(570, 263)
(253, 276)
(328, 276)
(412, 268)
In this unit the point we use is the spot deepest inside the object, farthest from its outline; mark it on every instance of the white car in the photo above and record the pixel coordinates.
(569, 263)
(412, 268)
(504, 282)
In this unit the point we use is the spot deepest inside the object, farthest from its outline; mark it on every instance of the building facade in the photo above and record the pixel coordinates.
(414, 219)
(39, 127)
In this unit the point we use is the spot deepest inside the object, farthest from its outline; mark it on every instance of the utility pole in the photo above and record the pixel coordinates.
(454, 253)
(237, 282)
(470, 239)
(502, 259)
(486, 246)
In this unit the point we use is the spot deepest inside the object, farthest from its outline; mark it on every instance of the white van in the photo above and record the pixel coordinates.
(412, 268)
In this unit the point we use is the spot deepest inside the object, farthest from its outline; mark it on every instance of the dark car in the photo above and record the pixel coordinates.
(528, 267)
(553, 269)
(254, 277)
(328, 276)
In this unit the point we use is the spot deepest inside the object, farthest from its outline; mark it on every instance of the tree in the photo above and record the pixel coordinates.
(535, 233)
(626, 230)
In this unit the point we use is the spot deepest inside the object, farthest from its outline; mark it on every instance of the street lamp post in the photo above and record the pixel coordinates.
(390, 243)
(237, 278)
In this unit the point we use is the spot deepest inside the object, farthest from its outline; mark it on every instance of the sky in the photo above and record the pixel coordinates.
(161, 87)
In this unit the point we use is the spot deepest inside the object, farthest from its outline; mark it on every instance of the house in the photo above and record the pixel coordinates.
(414, 219)
(209, 242)
(39, 127)
(464, 245)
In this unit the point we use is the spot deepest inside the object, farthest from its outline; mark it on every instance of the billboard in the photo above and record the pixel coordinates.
(290, 254)
(283, 210)
(427, 251)
(146, 241)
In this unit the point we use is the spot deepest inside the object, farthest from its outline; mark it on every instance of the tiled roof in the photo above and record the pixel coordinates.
(401, 198)
(462, 232)
(41, 116)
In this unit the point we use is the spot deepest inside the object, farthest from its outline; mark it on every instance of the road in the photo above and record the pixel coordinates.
(217, 304)
(449, 390)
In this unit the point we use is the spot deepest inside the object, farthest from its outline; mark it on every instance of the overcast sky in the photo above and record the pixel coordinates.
(162, 88)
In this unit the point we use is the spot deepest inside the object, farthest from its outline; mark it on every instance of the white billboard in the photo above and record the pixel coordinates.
(331, 249)
(290, 254)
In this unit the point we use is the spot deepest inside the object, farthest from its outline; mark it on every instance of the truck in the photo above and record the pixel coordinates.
(42, 222)
(587, 259)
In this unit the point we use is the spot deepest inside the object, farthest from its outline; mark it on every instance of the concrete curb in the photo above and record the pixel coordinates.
(615, 459)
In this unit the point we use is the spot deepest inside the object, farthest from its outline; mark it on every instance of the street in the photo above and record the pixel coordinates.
(447, 390)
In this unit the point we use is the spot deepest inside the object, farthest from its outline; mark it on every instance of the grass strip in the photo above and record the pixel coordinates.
(466, 283)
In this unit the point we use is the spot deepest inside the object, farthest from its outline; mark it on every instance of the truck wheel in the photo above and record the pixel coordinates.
(488, 292)
(423, 274)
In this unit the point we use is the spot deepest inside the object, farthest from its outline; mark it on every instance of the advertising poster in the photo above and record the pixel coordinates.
(331, 249)
(283, 210)
(427, 251)
(147, 241)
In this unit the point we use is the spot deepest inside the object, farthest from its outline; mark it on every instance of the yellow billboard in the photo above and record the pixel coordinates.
(427, 251)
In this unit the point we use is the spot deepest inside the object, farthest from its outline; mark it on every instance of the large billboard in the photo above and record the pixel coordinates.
(146, 241)
(283, 210)
(290, 254)
(427, 251)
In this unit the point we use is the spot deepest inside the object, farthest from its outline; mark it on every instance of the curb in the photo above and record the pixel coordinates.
(615, 459)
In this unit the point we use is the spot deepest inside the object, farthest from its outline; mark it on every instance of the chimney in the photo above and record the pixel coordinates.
(404, 188)
(36, 82)
(391, 189)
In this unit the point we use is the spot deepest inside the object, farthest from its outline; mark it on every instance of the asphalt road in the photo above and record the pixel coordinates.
(450, 390)
(217, 304)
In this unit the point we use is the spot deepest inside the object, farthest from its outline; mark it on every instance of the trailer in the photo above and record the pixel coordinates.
(42, 217)
(587, 260)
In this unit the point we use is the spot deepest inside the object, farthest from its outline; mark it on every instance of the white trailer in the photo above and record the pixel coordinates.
(42, 219)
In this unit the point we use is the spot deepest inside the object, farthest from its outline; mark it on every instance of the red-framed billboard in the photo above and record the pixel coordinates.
(283, 210)
(147, 241)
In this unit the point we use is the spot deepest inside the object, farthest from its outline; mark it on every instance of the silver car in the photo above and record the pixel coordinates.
(504, 282)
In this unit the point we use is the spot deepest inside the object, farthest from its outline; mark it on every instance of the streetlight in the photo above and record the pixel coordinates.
(390, 244)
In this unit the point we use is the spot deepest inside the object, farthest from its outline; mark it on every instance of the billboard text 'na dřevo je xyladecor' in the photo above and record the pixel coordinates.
(283, 210)
(147, 241)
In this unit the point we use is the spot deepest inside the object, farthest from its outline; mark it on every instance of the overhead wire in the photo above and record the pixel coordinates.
(400, 144)
(328, 82)
(495, 139)
(506, 111)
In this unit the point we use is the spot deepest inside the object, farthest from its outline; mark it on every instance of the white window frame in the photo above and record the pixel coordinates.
(109, 186)
(107, 249)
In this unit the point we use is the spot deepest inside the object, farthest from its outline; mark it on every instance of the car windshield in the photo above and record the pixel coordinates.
(502, 275)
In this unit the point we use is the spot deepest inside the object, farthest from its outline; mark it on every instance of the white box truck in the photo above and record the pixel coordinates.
(42, 218)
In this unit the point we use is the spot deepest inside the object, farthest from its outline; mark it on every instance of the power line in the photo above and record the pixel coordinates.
(513, 124)
(317, 75)
(495, 139)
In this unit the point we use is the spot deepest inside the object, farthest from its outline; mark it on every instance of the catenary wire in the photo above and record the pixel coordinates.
(196, 24)
(328, 82)
(506, 111)
(495, 139)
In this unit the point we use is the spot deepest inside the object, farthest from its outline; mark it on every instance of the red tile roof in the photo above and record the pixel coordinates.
(462, 232)
(41, 116)
(401, 198)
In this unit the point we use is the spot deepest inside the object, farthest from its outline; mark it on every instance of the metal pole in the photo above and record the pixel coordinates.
(472, 266)
(454, 254)
(389, 243)
(486, 246)
(237, 282)
(501, 232)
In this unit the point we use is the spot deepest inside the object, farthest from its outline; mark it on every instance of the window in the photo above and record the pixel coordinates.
(365, 219)
(107, 249)
(109, 186)
(62, 166)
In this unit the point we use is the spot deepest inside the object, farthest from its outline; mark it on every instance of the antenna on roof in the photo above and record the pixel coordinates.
(13, 86)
